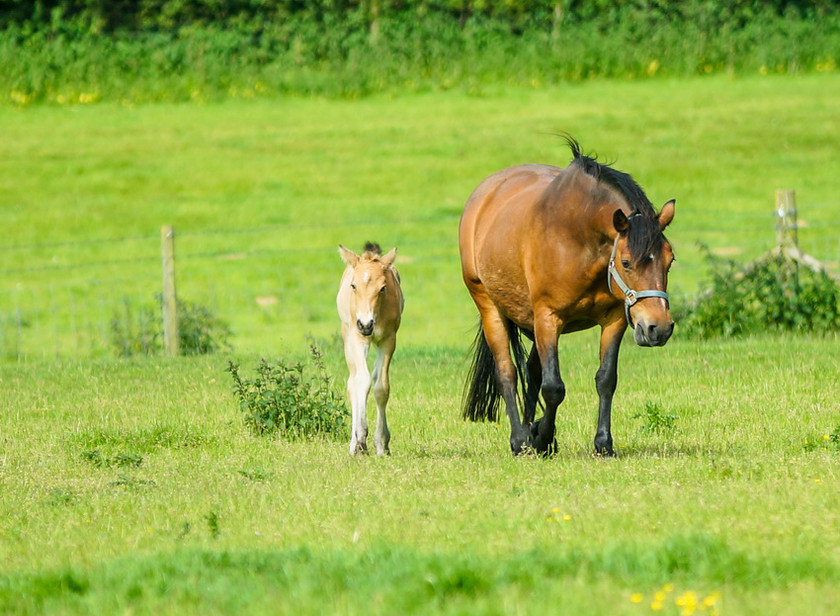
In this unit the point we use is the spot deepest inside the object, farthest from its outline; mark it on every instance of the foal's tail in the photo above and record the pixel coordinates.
(482, 392)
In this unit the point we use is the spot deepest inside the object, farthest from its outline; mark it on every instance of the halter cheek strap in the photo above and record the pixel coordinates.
(630, 296)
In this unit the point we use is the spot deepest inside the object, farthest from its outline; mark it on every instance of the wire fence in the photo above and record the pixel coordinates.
(268, 285)
(274, 285)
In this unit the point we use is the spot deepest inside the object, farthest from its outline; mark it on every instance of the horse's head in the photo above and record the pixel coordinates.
(368, 283)
(638, 273)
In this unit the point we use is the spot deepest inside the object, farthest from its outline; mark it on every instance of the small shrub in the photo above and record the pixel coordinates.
(139, 331)
(136, 331)
(200, 331)
(775, 293)
(656, 421)
(284, 399)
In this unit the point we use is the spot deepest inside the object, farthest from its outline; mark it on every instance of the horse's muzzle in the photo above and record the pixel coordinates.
(365, 329)
(652, 334)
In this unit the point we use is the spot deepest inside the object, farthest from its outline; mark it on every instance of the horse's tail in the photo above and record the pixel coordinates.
(482, 393)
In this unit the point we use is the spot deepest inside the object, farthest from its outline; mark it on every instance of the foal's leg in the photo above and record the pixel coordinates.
(381, 392)
(606, 380)
(546, 332)
(358, 387)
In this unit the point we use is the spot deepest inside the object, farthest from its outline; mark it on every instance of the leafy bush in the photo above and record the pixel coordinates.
(283, 400)
(775, 293)
(139, 331)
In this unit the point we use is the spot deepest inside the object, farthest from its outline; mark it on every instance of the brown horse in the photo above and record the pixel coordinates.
(548, 251)
(370, 305)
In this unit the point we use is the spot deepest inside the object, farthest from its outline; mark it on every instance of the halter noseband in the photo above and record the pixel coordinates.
(631, 296)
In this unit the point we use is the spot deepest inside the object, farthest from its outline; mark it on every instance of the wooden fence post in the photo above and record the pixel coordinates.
(786, 221)
(170, 302)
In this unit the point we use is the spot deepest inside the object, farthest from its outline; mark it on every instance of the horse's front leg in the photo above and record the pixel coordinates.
(546, 332)
(606, 380)
(358, 387)
(532, 390)
(381, 393)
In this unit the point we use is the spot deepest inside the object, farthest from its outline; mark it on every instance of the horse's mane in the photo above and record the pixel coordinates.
(644, 235)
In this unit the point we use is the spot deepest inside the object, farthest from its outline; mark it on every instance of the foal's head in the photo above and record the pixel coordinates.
(368, 285)
(643, 257)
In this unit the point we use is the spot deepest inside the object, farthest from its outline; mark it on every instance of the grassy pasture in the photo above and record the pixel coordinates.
(181, 510)
(303, 175)
(133, 487)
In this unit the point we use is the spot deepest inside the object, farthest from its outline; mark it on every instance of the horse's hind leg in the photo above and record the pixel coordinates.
(381, 393)
(498, 339)
(358, 387)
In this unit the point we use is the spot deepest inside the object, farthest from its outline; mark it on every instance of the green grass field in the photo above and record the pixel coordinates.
(261, 192)
(134, 487)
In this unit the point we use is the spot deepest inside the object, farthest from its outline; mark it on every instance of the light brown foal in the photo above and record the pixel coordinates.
(370, 305)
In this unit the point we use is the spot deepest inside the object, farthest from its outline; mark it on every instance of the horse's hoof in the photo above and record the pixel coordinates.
(546, 447)
(359, 449)
(604, 446)
(521, 445)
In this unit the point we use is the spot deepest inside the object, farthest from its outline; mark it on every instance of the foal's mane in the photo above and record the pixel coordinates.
(371, 250)
(644, 235)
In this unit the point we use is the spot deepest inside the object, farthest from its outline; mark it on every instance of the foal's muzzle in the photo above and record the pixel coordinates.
(365, 329)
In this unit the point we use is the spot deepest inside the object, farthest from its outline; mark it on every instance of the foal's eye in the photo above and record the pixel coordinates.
(352, 286)
(625, 264)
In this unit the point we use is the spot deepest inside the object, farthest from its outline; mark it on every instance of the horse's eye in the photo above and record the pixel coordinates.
(625, 264)
(352, 286)
(382, 290)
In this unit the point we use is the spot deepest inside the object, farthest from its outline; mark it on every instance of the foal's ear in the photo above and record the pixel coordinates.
(388, 259)
(666, 215)
(620, 221)
(350, 257)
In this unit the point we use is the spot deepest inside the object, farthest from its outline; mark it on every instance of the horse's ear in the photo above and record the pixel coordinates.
(388, 259)
(666, 215)
(350, 257)
(620, 221)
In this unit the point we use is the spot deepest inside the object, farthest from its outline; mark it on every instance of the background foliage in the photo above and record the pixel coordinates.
(87, 50)
(773, 293)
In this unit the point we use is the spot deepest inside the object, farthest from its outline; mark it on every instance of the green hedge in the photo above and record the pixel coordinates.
(82, 51)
